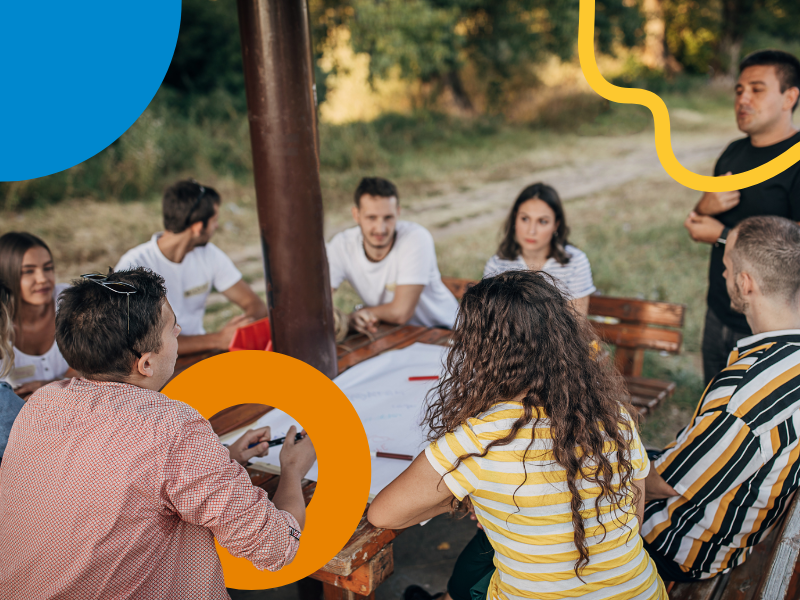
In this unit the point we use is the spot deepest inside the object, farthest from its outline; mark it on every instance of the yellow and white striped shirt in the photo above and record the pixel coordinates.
(525, 511)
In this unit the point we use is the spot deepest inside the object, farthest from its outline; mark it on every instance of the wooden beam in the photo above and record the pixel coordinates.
(278, 73)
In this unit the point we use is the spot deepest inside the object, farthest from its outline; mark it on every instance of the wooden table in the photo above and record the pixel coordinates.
(367, 559)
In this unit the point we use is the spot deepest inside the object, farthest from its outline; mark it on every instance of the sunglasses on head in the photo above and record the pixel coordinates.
(120, 287)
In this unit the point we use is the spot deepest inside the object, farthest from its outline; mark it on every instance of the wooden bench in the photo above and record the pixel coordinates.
(631, 326)
(771, 572)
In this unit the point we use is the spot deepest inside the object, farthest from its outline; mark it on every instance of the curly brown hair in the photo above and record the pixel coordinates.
(517, 337)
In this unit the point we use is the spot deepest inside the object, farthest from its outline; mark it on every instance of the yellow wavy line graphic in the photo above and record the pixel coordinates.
(675, 169)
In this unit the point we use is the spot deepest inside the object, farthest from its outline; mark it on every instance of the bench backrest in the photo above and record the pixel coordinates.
(631, 325)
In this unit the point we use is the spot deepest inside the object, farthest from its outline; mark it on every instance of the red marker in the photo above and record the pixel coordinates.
(390, 455)
(424, 378)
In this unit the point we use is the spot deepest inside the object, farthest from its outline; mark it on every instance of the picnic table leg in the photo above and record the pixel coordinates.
(361, 583)
(331, 592)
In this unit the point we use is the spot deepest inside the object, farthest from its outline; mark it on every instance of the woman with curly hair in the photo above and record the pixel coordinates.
(527, 426)
(535, 238)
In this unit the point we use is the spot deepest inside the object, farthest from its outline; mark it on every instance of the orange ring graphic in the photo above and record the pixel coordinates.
(329, 419)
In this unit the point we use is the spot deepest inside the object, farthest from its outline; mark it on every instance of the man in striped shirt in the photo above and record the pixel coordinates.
(720, 487)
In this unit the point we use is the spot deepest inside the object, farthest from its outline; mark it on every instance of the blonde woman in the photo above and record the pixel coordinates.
(26, 266)
(10, 403)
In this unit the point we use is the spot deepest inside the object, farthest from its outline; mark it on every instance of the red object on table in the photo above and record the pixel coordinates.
(256, 336)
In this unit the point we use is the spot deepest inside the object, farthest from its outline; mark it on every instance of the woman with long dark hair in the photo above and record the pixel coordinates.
(10, 403)
(26, 266)
(535, 238)
(527, 426)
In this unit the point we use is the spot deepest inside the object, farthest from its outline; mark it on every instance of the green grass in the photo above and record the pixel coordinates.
(637, 245)
(208, 138)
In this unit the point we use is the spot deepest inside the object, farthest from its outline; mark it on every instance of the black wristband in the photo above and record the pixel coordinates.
(723, 237)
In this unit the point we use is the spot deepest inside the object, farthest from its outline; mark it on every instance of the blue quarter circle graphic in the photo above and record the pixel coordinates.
(75, 76)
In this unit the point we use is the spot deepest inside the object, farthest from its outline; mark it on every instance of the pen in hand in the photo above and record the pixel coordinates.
(277, 441)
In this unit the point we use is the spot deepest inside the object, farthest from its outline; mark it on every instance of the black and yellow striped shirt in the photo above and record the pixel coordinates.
(736, 464)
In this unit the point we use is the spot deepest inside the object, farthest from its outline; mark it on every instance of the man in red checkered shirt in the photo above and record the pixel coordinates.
(109, 489)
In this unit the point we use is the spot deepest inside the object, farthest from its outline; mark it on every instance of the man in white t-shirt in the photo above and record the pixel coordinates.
(191, 265)
(390, 263)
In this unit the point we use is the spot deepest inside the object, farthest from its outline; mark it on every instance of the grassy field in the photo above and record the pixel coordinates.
(632, 233)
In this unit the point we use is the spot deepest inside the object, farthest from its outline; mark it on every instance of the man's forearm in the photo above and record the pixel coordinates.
(190, 344)
(256, 311)
(389, 313)
(289, 496)
(702, 207)
(655, 488)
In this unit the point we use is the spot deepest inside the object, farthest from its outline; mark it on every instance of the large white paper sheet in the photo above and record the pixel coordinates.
(389, 405)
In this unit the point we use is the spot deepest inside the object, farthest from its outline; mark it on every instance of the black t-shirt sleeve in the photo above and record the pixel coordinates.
(794, 198)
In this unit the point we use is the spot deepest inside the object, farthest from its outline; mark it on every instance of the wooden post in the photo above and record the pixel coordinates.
(279, 79)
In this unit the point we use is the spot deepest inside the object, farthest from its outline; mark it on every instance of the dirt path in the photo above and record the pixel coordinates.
(615, 161)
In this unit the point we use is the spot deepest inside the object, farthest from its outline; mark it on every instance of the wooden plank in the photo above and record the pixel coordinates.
(234, 417)
(359, 340)
(431, 336)
(744, 581)
(633, 310)
(648, 392)
(458, 286)
(387, 342)
(781, 578)
(366, 541)
(698, 590)
(364, 580)
(629, 361)
(639, 336)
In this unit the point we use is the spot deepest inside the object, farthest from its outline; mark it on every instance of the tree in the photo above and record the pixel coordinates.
(711, 35)
(430, 40)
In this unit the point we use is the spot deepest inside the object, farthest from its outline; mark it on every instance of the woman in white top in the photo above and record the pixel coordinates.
(536, 238)
(26, 265)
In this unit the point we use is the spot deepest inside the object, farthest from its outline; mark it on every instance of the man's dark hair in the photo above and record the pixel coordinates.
(768, 248)
(787, 67)
(186, 203)
(92, 324)
(375, 186)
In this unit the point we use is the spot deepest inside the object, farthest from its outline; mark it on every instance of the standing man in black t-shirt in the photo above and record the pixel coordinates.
(766, 96)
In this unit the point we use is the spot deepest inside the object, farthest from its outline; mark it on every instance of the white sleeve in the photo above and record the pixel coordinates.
(336, 261)
(224, 272)
(491, 267)
(418, 259)
(580, 281)
(126, 262)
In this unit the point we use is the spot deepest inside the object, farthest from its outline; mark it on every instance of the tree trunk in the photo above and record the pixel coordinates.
(655, 49)
(737, 16)
(453, 81)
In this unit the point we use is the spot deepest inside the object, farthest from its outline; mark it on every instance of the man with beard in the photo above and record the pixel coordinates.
(766, 96)
(390, 263)
(720, 487)
(191, 265)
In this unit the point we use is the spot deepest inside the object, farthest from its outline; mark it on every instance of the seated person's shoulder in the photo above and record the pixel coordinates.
(409, 235)
(496, 265)
(138, 256)
(160, 412)
(575, 254)
(348, 240)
